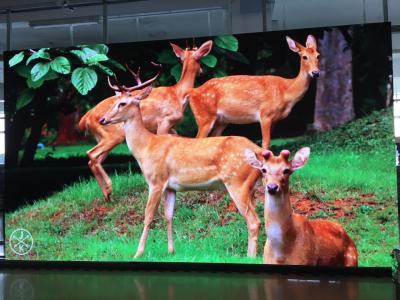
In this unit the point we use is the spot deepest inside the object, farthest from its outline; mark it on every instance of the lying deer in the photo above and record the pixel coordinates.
(162, 110)
(243, 99)
(291, 238)
(171, 163)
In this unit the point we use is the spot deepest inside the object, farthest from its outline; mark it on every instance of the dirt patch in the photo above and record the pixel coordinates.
(130, 217)
(57, 216)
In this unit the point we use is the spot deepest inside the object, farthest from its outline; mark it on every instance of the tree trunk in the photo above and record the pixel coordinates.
(37, 125)
(334, 98)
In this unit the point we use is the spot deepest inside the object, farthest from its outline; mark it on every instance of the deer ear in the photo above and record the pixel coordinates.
(293, 45)
(179, 52)
(252, 159)
(203, 50)
(311, 42)
(300, 158)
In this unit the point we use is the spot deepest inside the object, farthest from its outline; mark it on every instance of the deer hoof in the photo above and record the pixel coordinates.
(171, 250)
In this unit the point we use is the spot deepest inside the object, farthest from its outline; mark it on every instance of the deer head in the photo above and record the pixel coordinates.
(276, 170)
(191, 57)
(128, 97)
(309, 55)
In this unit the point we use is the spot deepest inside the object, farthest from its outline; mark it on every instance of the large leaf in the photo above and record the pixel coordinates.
(105, 69)
(116, 64)
(176, 71)
(167, 57)
(24, 98)
(16, 59)
(39, 70)
(96, 59)
(219, 73)
(99, 48)
(209, 60)
(34, 84)
(228, 42)
(50, 75)
(23, 71)
(61, 65)
(80, 54)
(84, 80)
(41, 53)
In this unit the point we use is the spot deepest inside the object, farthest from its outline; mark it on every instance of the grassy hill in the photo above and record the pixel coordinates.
(350, 179)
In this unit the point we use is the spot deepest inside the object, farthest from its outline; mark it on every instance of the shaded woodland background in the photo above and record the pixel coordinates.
(355, 80)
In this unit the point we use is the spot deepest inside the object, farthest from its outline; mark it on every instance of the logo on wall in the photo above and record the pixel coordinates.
(21, 241)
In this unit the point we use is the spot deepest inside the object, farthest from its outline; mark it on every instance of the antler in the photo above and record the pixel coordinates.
(140, 85)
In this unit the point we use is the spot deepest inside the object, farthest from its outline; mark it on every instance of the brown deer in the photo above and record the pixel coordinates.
(243, 99)
(161, 111)
(291, 238)
(171, 163)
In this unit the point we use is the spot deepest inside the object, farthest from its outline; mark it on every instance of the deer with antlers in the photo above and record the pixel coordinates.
(291, 238)
(161, 111)
(171, 163)
(243, 99)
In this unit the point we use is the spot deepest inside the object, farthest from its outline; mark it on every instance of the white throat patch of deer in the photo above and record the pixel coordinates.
(243, 99)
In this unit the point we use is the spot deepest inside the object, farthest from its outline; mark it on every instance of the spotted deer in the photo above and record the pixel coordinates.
(162, 110)
(243, 99)
(171, 163)
(292, 239)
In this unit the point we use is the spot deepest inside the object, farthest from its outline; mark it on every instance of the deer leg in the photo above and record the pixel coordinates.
(169, 214)
(266, 125)
(151, 207)
(96, 156)
(205, 128)
(218, 129)
(241, 195)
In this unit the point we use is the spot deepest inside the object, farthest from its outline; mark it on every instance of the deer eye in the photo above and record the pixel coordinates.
(122, 104)
(264, 170)
(305, 57)
(318, 56)
(286, 171)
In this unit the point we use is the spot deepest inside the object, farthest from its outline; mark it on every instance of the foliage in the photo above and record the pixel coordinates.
(81, 64)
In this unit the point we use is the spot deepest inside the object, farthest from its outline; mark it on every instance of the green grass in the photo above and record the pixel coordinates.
(75, 224)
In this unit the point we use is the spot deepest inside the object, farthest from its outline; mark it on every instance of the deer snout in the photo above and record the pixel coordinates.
(272, 188)
(315, 73)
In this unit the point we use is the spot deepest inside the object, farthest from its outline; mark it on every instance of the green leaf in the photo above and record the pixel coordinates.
(34, 84)
(228, 42)
(96, 59)
(99, 48)
(61, 65)
(39, 70)
(41, 53)
(105, 69)
(209, 60)
(24, 98)
(16, 59)
(80, 54)
(84, 80)
(116, 64)
(50, 75)
(23, 71)
(167, 57)
(176, 71)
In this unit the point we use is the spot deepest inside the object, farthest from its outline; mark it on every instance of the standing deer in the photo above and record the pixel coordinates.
(243, 99)
(162, 110)
(171, 163)
(291, 238)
